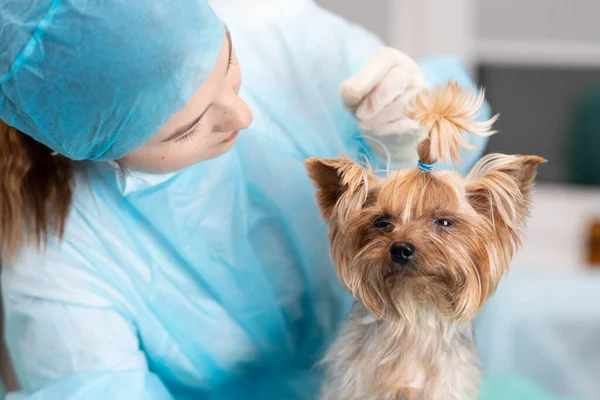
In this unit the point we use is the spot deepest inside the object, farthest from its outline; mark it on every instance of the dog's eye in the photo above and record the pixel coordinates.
(383, 223)
(442, 222)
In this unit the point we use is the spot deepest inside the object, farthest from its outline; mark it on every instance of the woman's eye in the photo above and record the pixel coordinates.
(442, 222)
(382, 223)
(191, 134)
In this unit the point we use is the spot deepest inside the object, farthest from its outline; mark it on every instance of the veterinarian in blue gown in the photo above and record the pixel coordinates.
(212, 282)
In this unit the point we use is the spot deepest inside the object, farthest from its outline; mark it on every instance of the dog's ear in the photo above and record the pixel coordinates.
(499, 187)
(342, 186)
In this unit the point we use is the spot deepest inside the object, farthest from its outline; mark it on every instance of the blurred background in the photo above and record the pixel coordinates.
(539, 61)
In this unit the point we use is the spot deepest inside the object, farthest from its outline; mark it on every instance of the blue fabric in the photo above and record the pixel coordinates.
(514, 387)
(215, 282)
(424, 167)
(95, 79)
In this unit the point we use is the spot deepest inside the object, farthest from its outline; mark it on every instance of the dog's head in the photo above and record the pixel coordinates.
(418, 239)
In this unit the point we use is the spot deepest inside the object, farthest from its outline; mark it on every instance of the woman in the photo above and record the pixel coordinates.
(179, 259)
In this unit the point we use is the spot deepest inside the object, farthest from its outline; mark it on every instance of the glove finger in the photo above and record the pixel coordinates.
(354, 89)
(393, 111)
(397, 146)
(392, 87)
(401, 126)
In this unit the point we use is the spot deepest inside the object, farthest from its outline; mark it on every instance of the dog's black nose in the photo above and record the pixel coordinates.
(402, 252)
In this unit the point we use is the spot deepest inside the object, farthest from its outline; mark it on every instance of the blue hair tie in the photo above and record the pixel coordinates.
(424, 167)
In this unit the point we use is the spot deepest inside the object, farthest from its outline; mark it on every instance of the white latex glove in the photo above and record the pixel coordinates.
(379, 96)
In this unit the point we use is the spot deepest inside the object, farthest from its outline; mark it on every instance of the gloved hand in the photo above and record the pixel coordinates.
(379, 96)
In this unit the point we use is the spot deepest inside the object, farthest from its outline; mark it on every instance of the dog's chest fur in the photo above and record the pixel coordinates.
(422, 359)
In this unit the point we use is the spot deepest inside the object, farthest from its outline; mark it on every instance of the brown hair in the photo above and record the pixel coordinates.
(35, 191)
(447, 113)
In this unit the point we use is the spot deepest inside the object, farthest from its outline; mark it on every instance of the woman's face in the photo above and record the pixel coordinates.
(205, 128)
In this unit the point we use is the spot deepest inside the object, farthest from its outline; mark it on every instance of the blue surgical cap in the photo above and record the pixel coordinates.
(95, 79)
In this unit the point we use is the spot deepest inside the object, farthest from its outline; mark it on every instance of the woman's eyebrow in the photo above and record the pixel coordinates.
(183, 130)
(230, 49)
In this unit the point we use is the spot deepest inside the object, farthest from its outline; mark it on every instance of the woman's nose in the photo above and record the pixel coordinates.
(236, 115)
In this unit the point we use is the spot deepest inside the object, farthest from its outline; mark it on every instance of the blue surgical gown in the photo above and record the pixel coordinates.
(214, 282)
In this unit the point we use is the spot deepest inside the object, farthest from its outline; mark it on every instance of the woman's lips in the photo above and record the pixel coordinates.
(231, 137)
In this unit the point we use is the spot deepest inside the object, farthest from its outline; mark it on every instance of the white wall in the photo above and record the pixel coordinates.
(421, 28)
(521, 32)
(540, 20)
(369, 13)
(539, 32)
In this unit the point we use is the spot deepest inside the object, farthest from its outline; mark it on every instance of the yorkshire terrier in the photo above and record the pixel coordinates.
(421, 251)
